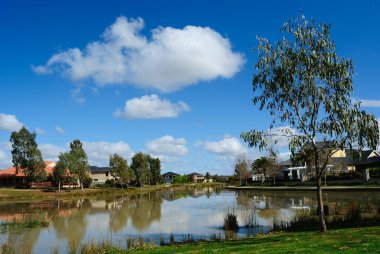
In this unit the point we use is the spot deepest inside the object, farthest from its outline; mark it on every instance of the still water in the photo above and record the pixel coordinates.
(154, 216)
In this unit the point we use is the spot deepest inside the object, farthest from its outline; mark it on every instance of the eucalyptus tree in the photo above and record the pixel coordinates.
(61, 168)
(119, 169)
(155, 169)
(266, 166)
(140, 166)
(27, 156)
(78, 164)
(242, 169)
(305, 85)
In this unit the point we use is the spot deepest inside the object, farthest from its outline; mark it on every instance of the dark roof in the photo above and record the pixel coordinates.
(195, 174)
(286, 163)
(95, 169)
(170, 173)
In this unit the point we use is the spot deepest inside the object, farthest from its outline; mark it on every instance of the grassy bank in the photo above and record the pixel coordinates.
(351, 240)
(28, 194)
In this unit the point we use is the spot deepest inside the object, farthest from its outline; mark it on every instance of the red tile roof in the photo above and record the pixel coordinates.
(12, 170)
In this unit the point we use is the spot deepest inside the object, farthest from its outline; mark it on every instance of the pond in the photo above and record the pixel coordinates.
(155, 216)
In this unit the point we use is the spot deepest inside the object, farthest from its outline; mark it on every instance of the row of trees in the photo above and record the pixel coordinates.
(267, 167)
(27, 156)
(144, 169)
(73, 165)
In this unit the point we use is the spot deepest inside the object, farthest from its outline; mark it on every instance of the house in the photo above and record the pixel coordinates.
(9, 176)
(292, 172)
(100, 175)
(341, 161)
(169, 176)
(196, 177)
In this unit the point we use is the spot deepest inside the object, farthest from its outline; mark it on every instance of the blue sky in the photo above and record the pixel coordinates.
(171, 78)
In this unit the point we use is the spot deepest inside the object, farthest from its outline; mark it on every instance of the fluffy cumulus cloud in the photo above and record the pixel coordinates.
(367, 103)
(168, 60)
(151, 106)
(59, 130)
(98, 152)
(228, 146)
(9, 123)
(5, 155)
(280, 136)
(50, 152)
(167, 146)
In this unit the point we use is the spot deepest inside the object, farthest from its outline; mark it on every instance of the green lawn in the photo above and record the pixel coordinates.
(355, 240)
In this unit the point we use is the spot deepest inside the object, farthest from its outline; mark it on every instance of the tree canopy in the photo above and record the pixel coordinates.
(27, 156)
(78, 164)
(305, 85)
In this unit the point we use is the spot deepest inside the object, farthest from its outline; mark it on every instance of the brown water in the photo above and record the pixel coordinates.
(198, 212)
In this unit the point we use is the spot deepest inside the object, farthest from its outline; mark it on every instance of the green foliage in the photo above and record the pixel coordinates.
(87, 181)
(155, 169)
(140, 166)
(181, 179)
(242, 171)
(304, 84)
(60, 171)
(266, 166)
(78, 164)
(119, 169)
(27, 156)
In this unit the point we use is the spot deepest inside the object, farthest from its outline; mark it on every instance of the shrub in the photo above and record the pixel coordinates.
(87, 180)
(230, 222)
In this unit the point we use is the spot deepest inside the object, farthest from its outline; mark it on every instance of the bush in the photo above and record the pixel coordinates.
(87, 182)
(230, 222)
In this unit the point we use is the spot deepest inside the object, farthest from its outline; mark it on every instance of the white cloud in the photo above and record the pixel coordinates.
(151, 106)
(50, 152)
(9, 123)
(77, 96)
(280, 136)
(98, 152)
(39, 131)
(228, 146)
(167, 145)
(368, 103)
(59, 130)
(5, 155)
(169, 60)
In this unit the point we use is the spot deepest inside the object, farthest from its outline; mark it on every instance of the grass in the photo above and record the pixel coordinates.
(349, 240)
(23, 223)
(29, 194)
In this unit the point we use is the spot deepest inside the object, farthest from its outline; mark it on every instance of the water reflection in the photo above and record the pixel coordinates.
(198, 212)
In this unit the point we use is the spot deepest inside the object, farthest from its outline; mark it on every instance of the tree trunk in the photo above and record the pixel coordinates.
(320, 210)
(59, 185)
(81, 185)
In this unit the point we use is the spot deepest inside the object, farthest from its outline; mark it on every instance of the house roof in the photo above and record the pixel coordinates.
(286, 163)
(12, 170)
(170, 173)
(195, 174)
(95, 169)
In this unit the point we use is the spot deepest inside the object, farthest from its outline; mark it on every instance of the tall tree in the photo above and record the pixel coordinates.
(140, 166)
(303, 84)
(119, 169)
(241, 169)
(27, 156)
(266, 166)
(155, 169)
(78, 164)
(61, 168)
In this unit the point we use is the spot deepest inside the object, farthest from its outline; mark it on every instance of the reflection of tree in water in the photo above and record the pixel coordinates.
(120, 211)
(147, 210)
(23, 239)
(141, 209)
(70, 221)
